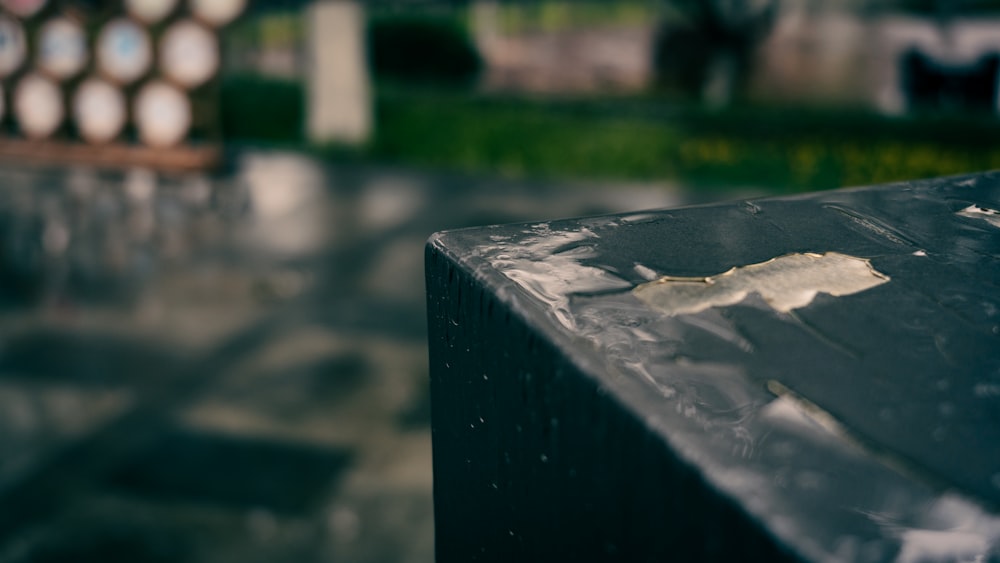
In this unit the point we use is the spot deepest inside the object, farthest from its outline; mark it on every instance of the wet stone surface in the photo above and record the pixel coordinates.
(814, 373)
(230, 368)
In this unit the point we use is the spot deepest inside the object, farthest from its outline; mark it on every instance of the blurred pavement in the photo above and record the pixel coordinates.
(231, 368)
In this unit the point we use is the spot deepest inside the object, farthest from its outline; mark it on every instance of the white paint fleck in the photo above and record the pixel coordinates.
(986, 390)
(951, 529)
(787, 282)
(646, 272)
(792, 411)
(930, 545)
(991, 216)
(639, 218)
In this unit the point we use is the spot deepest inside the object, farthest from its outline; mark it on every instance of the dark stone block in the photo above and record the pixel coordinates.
(811, 378)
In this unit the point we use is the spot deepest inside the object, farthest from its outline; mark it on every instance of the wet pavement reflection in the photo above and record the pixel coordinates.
(231, 368)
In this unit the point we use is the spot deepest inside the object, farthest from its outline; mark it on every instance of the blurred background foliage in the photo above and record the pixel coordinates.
(431, 111)
(430, 50)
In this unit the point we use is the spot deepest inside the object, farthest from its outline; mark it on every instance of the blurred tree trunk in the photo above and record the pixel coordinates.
(339, 90)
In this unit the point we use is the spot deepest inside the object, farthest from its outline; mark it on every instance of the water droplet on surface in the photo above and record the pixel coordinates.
(810, 480)
(986, 390)
(781, 480)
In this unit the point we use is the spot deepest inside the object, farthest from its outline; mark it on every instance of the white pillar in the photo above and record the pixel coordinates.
(339, 93)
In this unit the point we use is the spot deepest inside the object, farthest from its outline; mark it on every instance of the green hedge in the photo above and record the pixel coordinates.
(783, 149)
(262, 109)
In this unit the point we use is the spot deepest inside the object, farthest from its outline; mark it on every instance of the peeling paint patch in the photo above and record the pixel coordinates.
(787, 282)
(991, 216)
(547, 265)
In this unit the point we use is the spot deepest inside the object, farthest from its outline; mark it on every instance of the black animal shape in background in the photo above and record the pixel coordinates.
(932, 85)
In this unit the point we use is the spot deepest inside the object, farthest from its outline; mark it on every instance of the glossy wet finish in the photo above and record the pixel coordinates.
(215, 369)
(856, 425)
